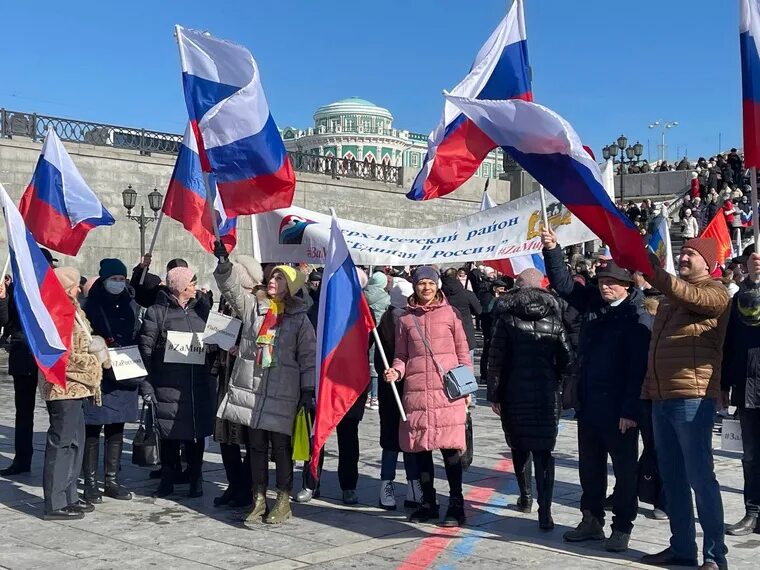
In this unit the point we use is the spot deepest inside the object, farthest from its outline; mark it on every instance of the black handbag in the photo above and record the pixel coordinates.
(145, 445)
(649, 484)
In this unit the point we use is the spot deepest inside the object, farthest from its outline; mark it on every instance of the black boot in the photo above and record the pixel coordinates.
(194, 454)
(524, 478)
(455, 513)
(428, 509)
(90, 470)
(545, 490)
(112, 489)
(746, 526)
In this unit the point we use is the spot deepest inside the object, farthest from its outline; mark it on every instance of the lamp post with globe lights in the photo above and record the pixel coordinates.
(631, 153)
(155, 201)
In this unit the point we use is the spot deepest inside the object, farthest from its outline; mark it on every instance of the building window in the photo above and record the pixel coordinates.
(487, 170)
(415, 158)
(349, 123)
(367, 124)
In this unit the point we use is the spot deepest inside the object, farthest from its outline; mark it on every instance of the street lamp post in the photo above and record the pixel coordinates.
(663, 126)
(632, 153)
(155, 201)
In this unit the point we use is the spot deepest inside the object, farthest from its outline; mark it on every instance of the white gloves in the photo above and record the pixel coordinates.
(99, 348)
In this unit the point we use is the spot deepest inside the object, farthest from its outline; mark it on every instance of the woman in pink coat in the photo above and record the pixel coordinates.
(434, 421)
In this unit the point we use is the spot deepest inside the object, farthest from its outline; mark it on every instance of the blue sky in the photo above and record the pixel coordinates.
(607, 70)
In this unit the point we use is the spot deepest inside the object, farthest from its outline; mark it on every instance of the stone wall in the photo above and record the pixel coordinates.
(108, 171)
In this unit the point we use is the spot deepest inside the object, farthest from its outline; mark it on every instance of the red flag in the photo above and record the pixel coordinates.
(718, 230)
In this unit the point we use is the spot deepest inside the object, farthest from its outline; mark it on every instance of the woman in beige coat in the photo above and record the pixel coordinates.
(64, 448)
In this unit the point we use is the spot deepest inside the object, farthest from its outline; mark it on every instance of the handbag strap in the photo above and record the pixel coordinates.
(427, 345)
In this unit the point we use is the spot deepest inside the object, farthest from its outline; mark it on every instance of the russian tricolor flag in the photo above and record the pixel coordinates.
(343, 328)
(457, 147)
(58, 206)
(186, 199)
(45, 311)
(548, 147)
(749, 35)
(237, 138)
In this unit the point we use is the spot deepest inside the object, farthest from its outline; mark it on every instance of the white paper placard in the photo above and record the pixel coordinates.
(126, 363)
(731, 436)
(184, 348)
(221, 330)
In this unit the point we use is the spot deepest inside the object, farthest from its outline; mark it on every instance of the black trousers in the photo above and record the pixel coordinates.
(453, 465)
(282, 449)
(485, 324)
(170, 459)
(543, 461)
(647, 440)
(25, 398)
(750, 422)
(64, 450)
(237, 468)
(594, 444)
(348, 457)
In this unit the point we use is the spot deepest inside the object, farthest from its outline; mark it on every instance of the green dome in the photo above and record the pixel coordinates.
(352, 105)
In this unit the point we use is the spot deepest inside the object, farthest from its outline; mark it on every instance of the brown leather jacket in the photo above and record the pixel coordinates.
(686, 349)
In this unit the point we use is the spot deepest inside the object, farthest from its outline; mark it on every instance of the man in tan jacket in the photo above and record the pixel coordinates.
(683, 382)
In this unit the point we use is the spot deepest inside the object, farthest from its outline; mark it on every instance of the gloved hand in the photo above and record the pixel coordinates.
(220, 251)
(149, 398)
(307, 400)
(99, 349)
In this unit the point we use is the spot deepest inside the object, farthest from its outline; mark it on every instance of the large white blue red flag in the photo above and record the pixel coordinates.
(548, 147)
(45, 311)
(457, 147)
(749, 36)
(343, 328)
(186, 199)
(237, 138)
(58, 206)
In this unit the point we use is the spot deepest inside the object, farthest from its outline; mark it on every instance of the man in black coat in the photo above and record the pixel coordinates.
(529, 353)
(740, 377)
(613, 350)
(464, 301)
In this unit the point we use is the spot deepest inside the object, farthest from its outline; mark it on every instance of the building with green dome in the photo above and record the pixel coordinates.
(357, 129)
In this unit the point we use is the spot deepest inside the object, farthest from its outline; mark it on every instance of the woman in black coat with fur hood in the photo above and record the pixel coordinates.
(528, 354)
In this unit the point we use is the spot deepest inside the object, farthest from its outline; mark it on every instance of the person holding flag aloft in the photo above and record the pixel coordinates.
(273, 376)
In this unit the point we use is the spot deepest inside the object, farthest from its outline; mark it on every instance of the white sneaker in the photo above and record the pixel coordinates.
(387, 495)
(413, 494)
(373, 404)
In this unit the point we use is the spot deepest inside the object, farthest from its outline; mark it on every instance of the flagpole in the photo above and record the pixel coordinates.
(81, 324)
(7, 265)
(152, 244)
(544, 215)
(755, 215)
(210, 202)
(387, 366)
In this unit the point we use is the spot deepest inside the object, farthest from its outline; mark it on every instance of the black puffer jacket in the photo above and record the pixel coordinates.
(20, 359)
(463, 301)
(185, 394)
(529, 352)
(741, 349)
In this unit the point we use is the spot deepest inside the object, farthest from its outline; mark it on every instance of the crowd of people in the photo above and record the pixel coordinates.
(637, 357)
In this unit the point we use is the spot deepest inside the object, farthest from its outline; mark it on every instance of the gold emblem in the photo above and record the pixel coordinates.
(558, 216)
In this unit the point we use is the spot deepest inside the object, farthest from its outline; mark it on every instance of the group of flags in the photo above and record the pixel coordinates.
(232, 162)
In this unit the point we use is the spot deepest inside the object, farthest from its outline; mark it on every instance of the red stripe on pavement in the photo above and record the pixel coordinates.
(431, 547)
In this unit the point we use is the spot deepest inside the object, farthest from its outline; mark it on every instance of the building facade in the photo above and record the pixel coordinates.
(357, 129)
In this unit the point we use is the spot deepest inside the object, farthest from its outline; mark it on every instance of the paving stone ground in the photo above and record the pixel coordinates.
(190, 534)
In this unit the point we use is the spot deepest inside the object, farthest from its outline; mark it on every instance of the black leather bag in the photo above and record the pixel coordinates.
(145, 446)
(649, 485)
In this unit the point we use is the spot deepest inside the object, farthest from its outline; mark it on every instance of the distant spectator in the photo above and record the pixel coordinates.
(683, 164)
(645, 168)
(689, 225)
(694, 191)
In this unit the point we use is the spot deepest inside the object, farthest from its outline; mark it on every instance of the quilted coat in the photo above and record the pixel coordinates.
(435, 422)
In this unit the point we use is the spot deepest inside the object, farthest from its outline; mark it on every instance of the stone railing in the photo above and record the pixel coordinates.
(347, 168)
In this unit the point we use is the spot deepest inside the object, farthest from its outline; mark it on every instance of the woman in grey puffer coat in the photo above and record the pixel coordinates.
(273, 376)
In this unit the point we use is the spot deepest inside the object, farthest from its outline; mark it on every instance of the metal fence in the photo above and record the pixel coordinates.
(34, 126)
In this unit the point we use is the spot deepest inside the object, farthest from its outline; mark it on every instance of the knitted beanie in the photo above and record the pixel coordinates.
(178, 279)
(293, 276)
(425, 272)
(110, 267)
(707, 247)
(530, 277)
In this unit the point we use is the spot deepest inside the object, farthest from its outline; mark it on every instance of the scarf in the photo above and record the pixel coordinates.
(267, 334)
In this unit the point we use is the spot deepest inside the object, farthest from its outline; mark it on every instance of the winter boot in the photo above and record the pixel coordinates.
(588, 529)
(617, 542)
(91, 492)
(746, 526)
(166, 486)
(455, 516)
(525, 484)
(260, 508)
(413, 494)
(112, 463)
(281, 511)
(241, 498)
(224, 499)
(545, 490)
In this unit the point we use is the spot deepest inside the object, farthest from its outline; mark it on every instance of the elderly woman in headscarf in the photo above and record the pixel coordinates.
(179, 375)
(64, 448)
(273, 376)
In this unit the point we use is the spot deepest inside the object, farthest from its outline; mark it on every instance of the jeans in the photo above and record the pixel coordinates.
(388, 466)
(750, 422)
(453, 465)
(594, 444)
(372, 374)
(683, 433)
(282, 449)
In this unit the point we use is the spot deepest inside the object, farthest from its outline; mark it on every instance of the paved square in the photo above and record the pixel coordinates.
(191, 533)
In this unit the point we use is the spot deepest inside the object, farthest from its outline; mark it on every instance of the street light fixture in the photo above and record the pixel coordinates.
(663, 126)
(627, 154)
(155, 201)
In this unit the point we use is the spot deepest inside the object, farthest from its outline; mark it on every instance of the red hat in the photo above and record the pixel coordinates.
(707, 247)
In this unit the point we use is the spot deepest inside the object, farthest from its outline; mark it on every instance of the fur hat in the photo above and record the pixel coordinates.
(400, 292)
(706, 247)
(248, 271)
(293, 276)
(178, 279)
(68, 277)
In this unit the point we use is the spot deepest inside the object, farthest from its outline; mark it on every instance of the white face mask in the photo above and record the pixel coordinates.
(115, 287)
